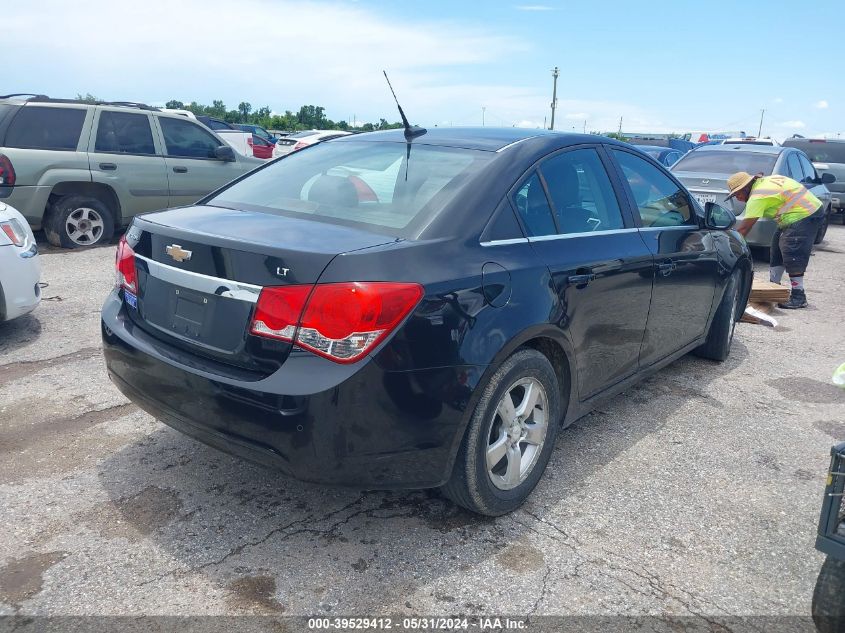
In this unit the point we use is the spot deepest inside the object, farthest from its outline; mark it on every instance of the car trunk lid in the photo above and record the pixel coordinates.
(201, 269)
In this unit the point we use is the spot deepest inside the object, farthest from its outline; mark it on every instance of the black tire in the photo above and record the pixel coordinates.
(92, 217)
(823, 228)
(721, 333)
(828, 602)
(472, 484)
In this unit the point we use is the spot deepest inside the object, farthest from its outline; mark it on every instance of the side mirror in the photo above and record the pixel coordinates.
(225, 153)
(827, 178)
(717, 217)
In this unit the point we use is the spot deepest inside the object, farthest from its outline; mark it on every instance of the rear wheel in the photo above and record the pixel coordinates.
(79, 221)
(823, 228)
(717, 346)
(828, 606)
(510, 437)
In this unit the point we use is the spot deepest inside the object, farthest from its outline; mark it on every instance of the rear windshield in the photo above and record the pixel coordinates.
(358, 183)
(820, 151)
(36, 127)
(726, 162)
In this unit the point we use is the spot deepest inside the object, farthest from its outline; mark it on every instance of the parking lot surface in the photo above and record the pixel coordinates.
(695, 493)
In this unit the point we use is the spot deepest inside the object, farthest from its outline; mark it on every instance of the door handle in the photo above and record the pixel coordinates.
(666, 268)
(580, 280)
(108, 166)
(180, 170)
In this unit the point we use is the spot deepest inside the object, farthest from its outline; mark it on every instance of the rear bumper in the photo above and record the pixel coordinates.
(761, 233)
(362, 426)
(20, 272)
(31, 201)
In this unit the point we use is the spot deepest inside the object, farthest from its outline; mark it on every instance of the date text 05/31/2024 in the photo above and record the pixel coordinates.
(417, 624)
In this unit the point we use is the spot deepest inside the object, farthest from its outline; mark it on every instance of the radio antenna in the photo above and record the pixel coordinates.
(411, 132)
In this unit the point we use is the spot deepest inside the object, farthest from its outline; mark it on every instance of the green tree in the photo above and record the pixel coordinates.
(87, 98)
(173, 104)
(244, 108)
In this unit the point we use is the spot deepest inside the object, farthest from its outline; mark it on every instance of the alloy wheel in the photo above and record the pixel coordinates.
(84, 226)
(517, 433)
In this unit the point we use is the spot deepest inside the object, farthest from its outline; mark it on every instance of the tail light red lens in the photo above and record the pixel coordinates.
(126, 274)
(342, 322)
(299, 145)
(7, 172)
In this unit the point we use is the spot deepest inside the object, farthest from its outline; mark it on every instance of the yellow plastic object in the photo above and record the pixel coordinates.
(839, 376)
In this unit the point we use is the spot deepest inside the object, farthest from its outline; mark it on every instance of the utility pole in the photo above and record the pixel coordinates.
(483, 111)
(555, 74)
(619, 134)
(585, 126)
(760, 129)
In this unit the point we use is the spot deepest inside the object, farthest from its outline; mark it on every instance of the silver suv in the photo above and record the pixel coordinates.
(79, 170)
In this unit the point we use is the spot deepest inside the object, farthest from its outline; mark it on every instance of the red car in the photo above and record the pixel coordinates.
(261, 148)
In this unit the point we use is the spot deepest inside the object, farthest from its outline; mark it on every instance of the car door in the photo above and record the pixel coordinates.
(601, 270)
(686, 263)
(124, 154)
(192, 168)
(812, 182)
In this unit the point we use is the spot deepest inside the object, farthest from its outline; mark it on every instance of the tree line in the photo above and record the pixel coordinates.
(309, 117)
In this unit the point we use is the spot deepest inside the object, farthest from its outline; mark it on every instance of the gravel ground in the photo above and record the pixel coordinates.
(695, 493)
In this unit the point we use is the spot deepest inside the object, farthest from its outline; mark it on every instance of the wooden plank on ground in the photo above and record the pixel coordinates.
(768, 292)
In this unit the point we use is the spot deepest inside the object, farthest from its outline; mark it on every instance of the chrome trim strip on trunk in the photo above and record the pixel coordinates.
(202, 283)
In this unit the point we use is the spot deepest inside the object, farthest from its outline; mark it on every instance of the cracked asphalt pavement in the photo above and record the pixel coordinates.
(695, 493)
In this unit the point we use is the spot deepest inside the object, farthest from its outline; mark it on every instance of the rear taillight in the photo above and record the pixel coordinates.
(7, 172)
(126, 275)
(14, 231)
(299, 145)
(342, 322)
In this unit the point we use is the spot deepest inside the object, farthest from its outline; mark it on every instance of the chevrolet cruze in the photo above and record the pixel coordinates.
(420, 309)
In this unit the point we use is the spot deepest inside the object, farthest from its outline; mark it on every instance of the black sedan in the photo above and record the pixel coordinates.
(383, 311)
(666, 156)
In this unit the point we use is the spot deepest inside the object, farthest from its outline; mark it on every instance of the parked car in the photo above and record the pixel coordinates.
(20, 268)
(64, 160)
(261, 147)
(423, 313)
(210, 122)
(705, 172)
(666, 156)
(299, 140)
(239, 140)
(749, 140)
(828, 606)
(257, 130)
(828, 157)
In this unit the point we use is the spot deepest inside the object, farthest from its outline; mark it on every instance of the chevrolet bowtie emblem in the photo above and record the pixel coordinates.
(705, 182)
(178, 253)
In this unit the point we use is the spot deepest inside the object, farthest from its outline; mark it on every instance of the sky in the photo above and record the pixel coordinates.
(662, 66)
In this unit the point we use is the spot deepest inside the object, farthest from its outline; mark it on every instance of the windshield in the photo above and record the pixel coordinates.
(726, 162)
(820, 151)
(304, 134)
(358, 183)
(654, 152)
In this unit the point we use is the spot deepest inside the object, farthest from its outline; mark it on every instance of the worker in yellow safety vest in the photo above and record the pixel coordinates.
(798, 214)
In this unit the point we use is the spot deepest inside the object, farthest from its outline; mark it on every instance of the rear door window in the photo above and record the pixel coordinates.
(38, 127)
(580, 189)
(186, 139)
(533, 207)
(124, 133)
(659, 200)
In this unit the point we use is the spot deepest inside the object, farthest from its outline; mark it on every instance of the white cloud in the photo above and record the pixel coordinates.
(192, 52)
(534, 7)
(576, 116)
(777, 100)
(822, 105)
(793, 125)
(529, 124)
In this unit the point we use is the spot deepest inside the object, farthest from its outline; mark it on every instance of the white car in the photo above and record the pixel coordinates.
(750, 140)
(20, 268)
(288, 144)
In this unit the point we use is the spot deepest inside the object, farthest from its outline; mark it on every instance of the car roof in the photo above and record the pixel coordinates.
(742, 147)
(488, 139)
(658, 148)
